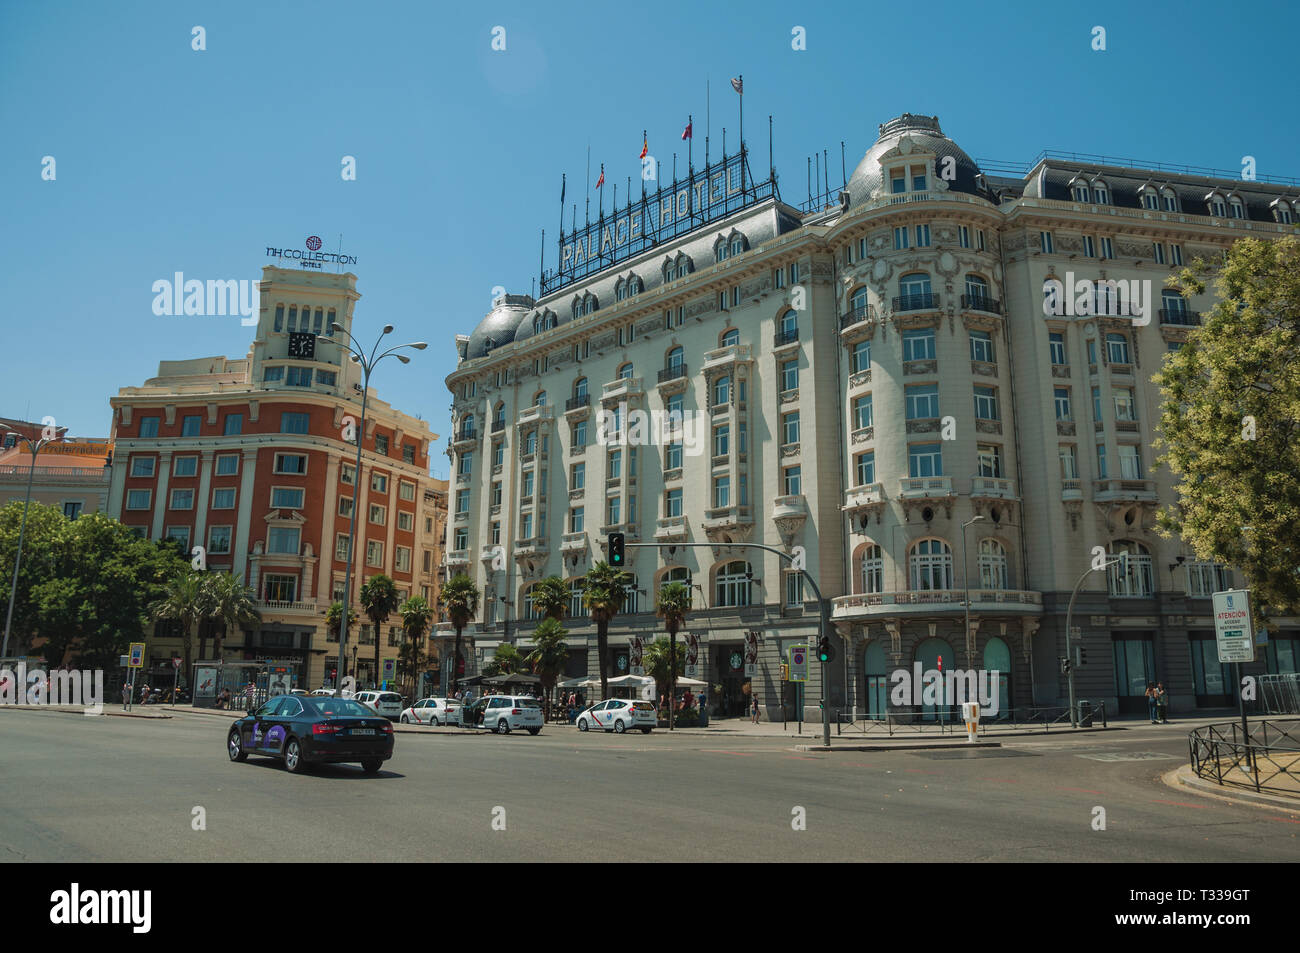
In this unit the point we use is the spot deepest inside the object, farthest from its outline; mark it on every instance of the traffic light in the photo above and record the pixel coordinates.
(824, 653)
(1080, 655)
(1065, 665)
(785, 672)
(616, 550)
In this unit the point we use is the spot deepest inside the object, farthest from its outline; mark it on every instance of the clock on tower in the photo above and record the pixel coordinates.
(302, 346)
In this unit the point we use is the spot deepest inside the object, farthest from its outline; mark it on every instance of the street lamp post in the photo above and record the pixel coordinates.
(1122, 559)
(34, 448)
(367, 365)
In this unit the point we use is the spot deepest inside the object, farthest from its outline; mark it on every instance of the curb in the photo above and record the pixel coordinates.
(82, 711)
(907, 747)
(1184, 777)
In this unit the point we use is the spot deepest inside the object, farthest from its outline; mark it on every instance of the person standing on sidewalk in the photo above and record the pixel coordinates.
(753, 710)
(1152, 702)
(1162, 702)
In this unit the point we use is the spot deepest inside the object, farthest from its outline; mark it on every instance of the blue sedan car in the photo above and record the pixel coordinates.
(302, 730)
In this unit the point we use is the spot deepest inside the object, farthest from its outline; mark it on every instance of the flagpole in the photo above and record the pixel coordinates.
(771, 165)
(690, 143)
(602, 190)
(541, 268)
(742, 135)
(708, 122)
(645, 147)
(587, 213)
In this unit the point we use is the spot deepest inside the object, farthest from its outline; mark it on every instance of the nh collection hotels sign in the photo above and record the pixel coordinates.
(704, 196)
(311, 256)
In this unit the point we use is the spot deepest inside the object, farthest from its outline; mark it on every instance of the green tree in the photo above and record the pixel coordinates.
(551, 598)
(187, 601)
(459, 599)
(674, 603)
(103, 582)
(379, 600)
(231, 604)
(417, 615)
(660, 659)
(1230, 420)
(549, 655)
(40, 558)
(333, 620)
(505, 661)
(604, 592)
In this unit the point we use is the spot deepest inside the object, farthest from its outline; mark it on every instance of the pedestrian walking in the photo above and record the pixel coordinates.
(753, 710)
(1162, 702)
(126, 693)
(1152, 702)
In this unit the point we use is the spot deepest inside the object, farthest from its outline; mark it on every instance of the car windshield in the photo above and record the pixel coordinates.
(340, 708)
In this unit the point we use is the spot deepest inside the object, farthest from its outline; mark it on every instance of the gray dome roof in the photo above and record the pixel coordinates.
(499, 326)
(925, 132)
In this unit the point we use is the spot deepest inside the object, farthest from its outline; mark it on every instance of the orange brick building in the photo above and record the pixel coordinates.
(254, 460)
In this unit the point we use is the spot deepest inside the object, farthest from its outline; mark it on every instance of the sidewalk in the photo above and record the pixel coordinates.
(137, 711)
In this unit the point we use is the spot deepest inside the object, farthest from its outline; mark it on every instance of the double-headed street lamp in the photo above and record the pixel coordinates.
(34, 447)
(367, 365)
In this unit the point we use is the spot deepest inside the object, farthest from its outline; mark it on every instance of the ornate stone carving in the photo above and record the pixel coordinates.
(1029, 626)
(988, 426)
(929, 425)
(1065, 428)
(860, 378)
(920, 367)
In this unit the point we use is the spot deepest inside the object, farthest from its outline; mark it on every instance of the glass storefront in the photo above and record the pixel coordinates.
(1211, 680)
(876, 696)
(1135, 668)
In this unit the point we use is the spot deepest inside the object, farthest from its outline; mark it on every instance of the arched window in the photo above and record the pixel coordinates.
(931, 565)
(684, 266)
(733, 584)
(873, 569)
(577, 308)
(675, 574)
(620, 290)
(580, 387)
(539, 323)
(993, 565)
(737, 245)
(1169, 199)
(721, 251)
(997, 658)
(499, 415)
(625, 372)
(722, 390)
(977, 293)
(668, 272)
(915, 289)
(676, 358)
(1137, 581)
(730, 337)
(1236, 207)
(1150, 198)
(539, 399)
(633, 286)
(789, 325)
(530, 442)
(467, 426)
(1117, 348)
(858, 303)
(1173, 308)
(530, 609)
(1100, 192)
(1079, 190)
(1218, 207)
(1281, 212)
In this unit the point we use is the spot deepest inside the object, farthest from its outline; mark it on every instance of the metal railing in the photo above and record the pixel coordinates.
(785, 336)
(948, 720)
(1265, 756)
(1278, 694)
(925, 301)
(577, 401)
(981, 303)
(672, 373)
(1180, 317)
(857, 315)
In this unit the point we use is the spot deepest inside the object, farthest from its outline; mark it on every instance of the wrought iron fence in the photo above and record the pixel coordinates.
(949, 721)
(1265, 756)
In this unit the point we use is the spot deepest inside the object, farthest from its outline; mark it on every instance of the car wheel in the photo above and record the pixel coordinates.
(371, 765)
(582, 724)
(533, 731)
(503, 727)
(233, 749)
(293, 760)
(405, 720)
(436, 723)
(619, 727)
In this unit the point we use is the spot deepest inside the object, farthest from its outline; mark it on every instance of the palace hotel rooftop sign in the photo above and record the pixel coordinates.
(702, 197)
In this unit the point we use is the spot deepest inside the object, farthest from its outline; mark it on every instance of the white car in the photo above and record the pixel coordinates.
(329, 693)
(388, 704)
(432, 711)
(506, 713)
(619, 714)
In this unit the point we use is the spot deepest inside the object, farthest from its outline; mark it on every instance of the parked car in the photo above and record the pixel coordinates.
(388, 704)
(301, 730)
(504, 713)
(433, 711)
(618, 715)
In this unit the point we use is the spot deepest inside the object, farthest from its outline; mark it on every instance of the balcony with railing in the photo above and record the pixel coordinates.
(671, 529)
(284, 605)
(672, 373)
(620, 389)
(1105, 491)
(577, 402)
(785, 337)
(725, 356)
(925, 488)
(926, 602)
(981, 303)
(498, 425)
(1071, 490)
(458, 557)
(861, 315)
(88, 475)
(995, 488)
(531, 415)
(573, 542)
(925, 301)
(726, 517)
(466, 435)
(532, 547)
(1180, 318)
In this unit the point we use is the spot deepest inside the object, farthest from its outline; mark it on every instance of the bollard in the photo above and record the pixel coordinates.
(971, 714)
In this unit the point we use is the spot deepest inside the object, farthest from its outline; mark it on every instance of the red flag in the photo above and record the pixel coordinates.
(601, 180)
(686, 133)
(645, 149)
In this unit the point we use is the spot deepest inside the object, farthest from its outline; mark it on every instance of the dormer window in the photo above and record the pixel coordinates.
(1282, 212)
(1218, 207)
(1080, 192)
(1236, 208)
(1150, 200)
(1100, 193)
(898, 181)
(1169, 200)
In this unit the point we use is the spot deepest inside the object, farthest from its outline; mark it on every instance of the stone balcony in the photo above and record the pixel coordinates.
(724, 357)
(573, 543)
(531, 415)
(621, 389)
(532, 548)
(925, 488)
(1107, 491)
(1071, 490)
(993, 488)
(727, 517)
(671, 529)
(860, 502)
(310, 607)
(458, 557)
(935, 602)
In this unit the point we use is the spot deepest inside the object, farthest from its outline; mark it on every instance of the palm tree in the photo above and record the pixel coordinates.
(505, 661)
(659, 659)
(379, 599)
(333, 620)
(231, 605)
(186, 600)
(551, 598)
(459, 598)
(604, 591)
(416, 616)
(548, 655)
(674, 603)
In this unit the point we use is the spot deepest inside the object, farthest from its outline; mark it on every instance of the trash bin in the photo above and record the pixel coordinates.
(1085, 713)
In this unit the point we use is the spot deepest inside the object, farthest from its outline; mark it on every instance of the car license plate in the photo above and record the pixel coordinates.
(363, 731)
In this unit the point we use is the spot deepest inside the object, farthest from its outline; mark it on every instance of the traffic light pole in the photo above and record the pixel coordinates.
(821, 610)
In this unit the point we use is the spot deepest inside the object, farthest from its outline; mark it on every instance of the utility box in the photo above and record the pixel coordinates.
(970, 713)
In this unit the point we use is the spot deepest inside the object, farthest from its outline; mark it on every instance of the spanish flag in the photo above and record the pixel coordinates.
(601, 180)
(645, 148)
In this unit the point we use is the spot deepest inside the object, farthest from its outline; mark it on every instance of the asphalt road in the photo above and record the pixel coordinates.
(98, 789)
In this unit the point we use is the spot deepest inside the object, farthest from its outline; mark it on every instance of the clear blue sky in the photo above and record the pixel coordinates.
(174, 160)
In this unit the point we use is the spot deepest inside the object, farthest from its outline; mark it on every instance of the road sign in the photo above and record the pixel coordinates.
(390, 669)
(137, 655)
(176, 663)
(1233, 628)
(798, 663)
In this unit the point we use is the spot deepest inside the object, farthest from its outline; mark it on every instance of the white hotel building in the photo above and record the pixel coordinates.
(876, 382)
